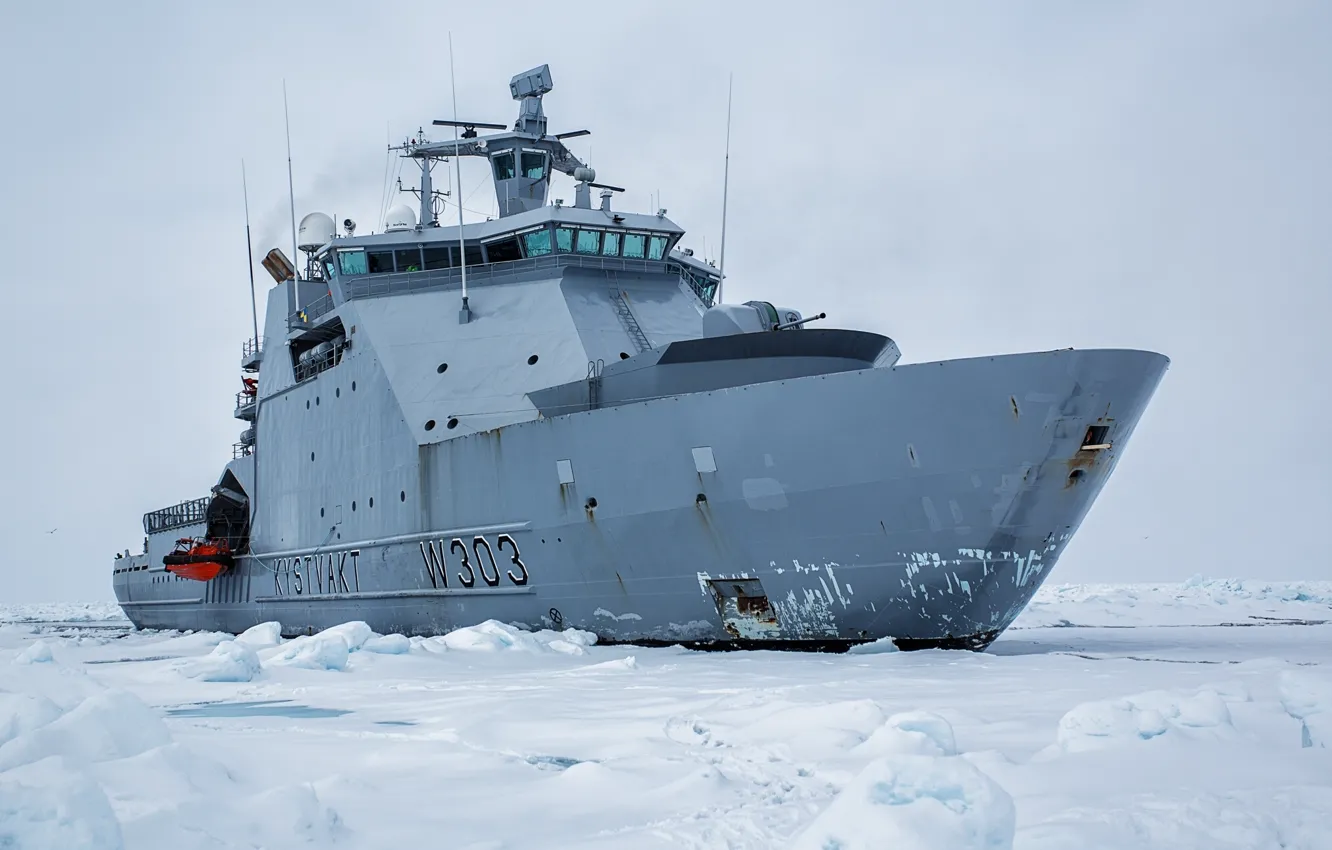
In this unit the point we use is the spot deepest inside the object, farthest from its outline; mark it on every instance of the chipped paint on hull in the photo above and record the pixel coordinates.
(806, 616)
(602, 612)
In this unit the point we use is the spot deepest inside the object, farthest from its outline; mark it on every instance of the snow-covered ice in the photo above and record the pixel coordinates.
(1195, 715)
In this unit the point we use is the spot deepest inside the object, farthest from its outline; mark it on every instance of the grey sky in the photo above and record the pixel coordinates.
(968, 178)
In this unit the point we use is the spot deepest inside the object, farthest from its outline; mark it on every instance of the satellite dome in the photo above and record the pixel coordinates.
(316, 231)
(399, 218)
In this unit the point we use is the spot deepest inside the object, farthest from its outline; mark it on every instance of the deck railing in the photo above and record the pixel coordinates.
(375, 286)
(177, 516)
(312, 365)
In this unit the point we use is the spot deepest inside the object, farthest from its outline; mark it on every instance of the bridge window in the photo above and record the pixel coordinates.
(588, 241)
(437, 258)
(328, 268)
(352, 262)
(656, 247)
(379, 262)
(503, 250)
(610, 245)
(408, 259)
(633, 245)
(537, 243)
(534, 165)
(503, 165)
(563, 240)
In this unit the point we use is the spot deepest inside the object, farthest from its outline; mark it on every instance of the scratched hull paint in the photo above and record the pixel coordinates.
(925, 502)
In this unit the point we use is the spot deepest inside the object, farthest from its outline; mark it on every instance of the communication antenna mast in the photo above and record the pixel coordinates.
(726, 182)
(465, 315)
(291, 194)
(249, 254)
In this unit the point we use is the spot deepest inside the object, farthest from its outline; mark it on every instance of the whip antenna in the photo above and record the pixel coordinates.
(726, 182)
(466, 314)
(291, 194)
(249, 255)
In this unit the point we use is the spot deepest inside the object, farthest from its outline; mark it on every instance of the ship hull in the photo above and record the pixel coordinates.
(923, 503)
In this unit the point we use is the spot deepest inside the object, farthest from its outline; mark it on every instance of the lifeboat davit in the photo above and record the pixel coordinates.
(199, 560)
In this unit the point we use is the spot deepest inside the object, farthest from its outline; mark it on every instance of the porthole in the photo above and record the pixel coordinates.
(453, 423)
(442, 368)
(430, 425)
(531, 361)
(321, 513)
(402, 496)
(337, 392)
(316, 401)
(353, 386)
(311, 457)
(372, 501)
(353, 504)
(307, 404)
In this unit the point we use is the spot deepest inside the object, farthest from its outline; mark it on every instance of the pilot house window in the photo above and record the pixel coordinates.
(503, 250)
(437, 258)
(588, 242)
(503, 165)
(563, 240)
(352, 262)
(610, 245)
(534, 165)
(408, 259)
(633, 245)
(379, 262)
(537, 243)
(656, 247)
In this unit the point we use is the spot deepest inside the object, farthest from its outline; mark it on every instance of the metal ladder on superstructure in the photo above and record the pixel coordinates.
(626, 316)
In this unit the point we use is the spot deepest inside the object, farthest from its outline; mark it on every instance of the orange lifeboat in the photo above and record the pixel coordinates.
(199, 560)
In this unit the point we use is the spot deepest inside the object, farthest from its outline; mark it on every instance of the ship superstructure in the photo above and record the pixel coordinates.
(545, 419)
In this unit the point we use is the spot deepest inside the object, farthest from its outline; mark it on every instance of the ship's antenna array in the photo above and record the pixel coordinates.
(249, 254)
(291, 195)
(726, 182)
(465, 315)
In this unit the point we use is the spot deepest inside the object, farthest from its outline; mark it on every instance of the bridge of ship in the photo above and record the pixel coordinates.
(501, 251)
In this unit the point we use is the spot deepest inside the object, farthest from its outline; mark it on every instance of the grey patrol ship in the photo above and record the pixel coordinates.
(546, 419)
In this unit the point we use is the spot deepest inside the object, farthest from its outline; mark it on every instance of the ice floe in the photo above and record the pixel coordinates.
(910, 802)
(230, 661)
(1142, 717)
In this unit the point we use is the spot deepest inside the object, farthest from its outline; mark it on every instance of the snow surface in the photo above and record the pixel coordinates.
(1132, 716)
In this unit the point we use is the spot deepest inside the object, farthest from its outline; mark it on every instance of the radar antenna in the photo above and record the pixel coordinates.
(468, 127)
